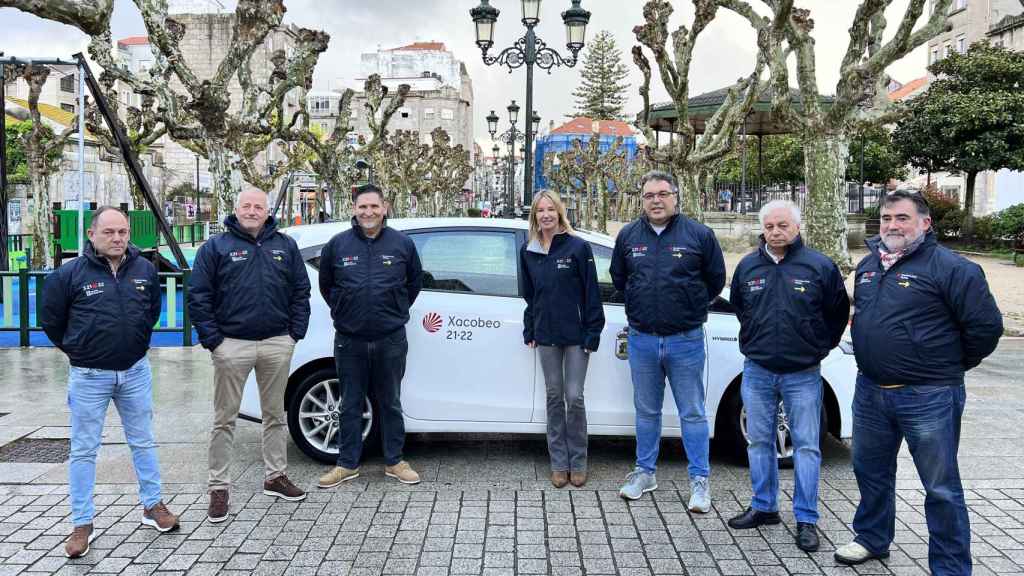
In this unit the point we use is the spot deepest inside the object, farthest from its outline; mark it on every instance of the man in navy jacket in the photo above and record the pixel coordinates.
(923, 316)
(670, 268)
(100, 309)
(249, 301)
(793, 309)
(370, 275)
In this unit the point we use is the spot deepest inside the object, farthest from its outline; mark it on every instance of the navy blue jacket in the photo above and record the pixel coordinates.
(668, 279)
(370, 283)
(249, 288)
(563, 301)
(792, 313)
(98, 319)
(926, 320)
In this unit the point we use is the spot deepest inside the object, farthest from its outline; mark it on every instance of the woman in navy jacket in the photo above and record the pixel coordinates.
(563, 321)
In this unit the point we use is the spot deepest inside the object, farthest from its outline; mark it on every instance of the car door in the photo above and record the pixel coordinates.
(609, 387)
(467, 361)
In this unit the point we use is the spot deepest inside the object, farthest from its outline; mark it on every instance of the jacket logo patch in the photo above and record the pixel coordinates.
(278, 255)
(904, 279)
(140, 284)
(755, 285)
(387, 260)
(93, 288)
(638, 251)
(564, 263)
(678, 251)
(867, 278)
(238, 255)
(800, 285)
(349, 261)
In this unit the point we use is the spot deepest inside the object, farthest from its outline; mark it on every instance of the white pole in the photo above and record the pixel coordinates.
(81, 160)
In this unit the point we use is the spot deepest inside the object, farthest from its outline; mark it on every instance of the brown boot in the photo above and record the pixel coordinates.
(160, 517)
(218, 510)
(283, 488)
(78, 544)
(578, 478)
(559, 478)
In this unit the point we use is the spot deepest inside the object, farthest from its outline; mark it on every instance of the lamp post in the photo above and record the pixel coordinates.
(510, 137)
(530, 50)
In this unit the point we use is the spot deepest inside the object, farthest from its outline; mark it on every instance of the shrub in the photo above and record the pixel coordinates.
(1010, 224)
(473, 212)
(986, 231)
(948, 225)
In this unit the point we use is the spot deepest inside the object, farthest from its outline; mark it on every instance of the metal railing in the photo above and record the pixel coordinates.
(749, 198)
(21, 288)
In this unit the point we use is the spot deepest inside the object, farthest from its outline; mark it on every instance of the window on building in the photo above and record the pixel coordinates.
(428, 112)
(67, 83)
(935, 56)
(320, 104)
(959, 4)
(961, 44)
(447, 114)
(947, 50)
(68, 107)
(404, 112)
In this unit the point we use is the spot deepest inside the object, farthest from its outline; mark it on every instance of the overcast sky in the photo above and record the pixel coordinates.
(724, 53)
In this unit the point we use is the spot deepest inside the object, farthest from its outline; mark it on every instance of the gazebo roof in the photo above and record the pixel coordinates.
(760, 121)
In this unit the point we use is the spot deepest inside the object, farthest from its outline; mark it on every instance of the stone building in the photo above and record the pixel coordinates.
(441, 92)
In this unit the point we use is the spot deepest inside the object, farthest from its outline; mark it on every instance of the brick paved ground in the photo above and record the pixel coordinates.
(485, 507)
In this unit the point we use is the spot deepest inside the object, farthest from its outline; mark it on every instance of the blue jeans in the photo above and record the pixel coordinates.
(801, 397)
(374, 367)
(89, 393)
(680, 357)
(929, 418)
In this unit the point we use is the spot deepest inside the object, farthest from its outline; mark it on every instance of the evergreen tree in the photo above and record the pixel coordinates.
(601, 94)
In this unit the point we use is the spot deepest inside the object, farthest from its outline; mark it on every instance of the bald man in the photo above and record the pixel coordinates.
(249, 301)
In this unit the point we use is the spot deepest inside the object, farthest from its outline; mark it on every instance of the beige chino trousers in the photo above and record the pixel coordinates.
(233, 360)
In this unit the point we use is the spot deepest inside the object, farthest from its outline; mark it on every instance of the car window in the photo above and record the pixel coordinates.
(603, 261)
(477, 261)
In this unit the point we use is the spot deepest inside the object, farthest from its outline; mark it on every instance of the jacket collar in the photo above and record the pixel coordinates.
(269, 228)
(89, 252)
(791, 250)
(875, 243)
(358, 230)
(668, 225)
(556, 240)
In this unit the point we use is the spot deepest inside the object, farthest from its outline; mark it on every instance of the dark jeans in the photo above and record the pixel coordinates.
(929, 418)
(377, 367)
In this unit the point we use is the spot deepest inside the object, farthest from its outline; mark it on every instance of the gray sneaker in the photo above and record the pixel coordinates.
(637, 483)
(700, 495)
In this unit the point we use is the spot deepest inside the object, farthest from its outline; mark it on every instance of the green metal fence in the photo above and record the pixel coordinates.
(21, 299)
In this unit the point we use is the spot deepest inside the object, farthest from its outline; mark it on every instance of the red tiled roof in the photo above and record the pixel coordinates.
(435, 46)
(582, 125)
(908, 89)
(133, 41)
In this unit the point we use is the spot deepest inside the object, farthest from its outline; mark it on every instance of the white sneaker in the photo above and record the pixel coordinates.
(853, 553)
(700, 495)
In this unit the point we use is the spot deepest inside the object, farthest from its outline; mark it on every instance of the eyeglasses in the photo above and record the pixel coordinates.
(652, 195)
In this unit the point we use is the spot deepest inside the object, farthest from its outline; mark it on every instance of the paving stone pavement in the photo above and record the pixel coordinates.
(485, 506)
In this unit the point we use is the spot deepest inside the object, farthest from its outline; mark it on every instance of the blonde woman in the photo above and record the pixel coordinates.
(563, 321)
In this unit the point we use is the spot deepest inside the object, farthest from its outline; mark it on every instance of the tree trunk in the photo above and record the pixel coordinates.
(602, 189)
(224, 192)
(825, 207)
(689, 195)
(967, 228)
(42, 243)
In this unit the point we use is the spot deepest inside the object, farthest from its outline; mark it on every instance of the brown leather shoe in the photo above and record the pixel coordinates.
(218, 510)
(78, 544)
(160, 517)
(559, 478)
(283, 488)
(578, 479)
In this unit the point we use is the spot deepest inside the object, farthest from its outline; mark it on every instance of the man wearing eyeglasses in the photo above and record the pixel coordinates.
(669, 268)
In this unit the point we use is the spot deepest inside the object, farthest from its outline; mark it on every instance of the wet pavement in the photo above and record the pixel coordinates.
(485, 505)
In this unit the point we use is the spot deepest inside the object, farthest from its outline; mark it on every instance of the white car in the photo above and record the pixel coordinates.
(469, 371)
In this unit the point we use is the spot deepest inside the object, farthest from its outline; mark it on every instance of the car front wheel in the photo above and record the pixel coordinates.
(314, 417)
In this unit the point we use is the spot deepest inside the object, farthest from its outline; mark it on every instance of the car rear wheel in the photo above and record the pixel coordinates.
(737, 430)
(314, 417)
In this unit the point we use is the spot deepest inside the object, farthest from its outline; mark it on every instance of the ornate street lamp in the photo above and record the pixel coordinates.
(530, 50)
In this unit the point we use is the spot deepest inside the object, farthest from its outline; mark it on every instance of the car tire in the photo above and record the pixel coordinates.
(310, 421)
(736, 437)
